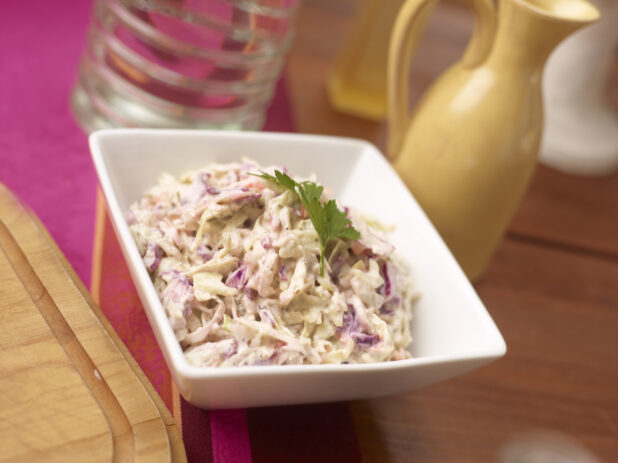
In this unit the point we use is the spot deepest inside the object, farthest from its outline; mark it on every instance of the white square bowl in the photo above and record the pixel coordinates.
(452, 331)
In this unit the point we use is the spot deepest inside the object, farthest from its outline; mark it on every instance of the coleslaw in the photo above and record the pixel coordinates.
(235, 261)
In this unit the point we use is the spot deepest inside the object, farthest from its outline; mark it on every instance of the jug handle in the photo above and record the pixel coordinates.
(408, 26)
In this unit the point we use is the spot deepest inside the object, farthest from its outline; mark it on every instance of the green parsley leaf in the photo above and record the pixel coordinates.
(337, 223)
(329, 222)
(280, 178)
(337, 226)
(285, 180)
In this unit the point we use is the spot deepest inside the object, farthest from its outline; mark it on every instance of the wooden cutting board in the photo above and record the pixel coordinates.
(69, 389)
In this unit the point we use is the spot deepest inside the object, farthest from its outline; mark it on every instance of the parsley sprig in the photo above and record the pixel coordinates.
(329, 222)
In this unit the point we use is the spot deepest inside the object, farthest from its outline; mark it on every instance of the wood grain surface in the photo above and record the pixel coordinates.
(69, 389)
(552, 287)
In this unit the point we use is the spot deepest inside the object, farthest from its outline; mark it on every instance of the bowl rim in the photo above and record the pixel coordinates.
(174, 352)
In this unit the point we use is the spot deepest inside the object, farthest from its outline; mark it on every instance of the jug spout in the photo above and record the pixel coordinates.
(528, 30)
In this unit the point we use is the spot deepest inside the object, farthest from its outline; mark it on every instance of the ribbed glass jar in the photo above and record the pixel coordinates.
(182, 63)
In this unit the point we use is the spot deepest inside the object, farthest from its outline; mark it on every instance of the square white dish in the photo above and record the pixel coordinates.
(452, 331)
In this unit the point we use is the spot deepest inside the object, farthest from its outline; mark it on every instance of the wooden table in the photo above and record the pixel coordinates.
(552, 289)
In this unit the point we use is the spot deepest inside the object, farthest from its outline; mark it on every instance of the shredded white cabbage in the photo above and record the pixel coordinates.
(235, 261)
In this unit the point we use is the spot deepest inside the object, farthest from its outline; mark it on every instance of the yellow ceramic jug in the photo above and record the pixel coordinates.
(469, 150)
(357, 83)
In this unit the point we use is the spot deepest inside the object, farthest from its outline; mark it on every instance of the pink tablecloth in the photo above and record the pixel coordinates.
(44, 159)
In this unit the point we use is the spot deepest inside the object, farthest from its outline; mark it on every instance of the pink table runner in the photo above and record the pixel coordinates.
(44, 159)
(43, 155)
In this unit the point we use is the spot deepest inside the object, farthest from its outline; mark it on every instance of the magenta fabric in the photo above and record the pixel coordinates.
(43, 154)
(44, 159)
(230, 436)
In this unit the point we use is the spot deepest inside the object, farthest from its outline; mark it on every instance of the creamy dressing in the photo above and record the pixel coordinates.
(235, 262)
